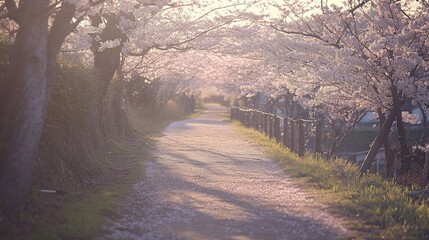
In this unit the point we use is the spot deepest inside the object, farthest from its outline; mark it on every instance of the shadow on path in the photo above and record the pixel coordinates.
(207, 182)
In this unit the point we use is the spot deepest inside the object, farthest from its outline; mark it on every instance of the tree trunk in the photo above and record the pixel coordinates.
(60, 29)
(388, 156)
(378, 141)
(27, 83)
(424, 124)
(123, 123)
(402, 140)
(108, 60)
(333, 143)
(318, 136)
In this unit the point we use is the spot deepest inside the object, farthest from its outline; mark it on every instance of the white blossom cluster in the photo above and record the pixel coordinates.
(335, 61)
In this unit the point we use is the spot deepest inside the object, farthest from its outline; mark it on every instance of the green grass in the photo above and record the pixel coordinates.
(80, 218)
(370, 200)
(80, 214)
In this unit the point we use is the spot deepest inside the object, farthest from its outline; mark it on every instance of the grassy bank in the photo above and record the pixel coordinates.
(368, 202)
(79, 213)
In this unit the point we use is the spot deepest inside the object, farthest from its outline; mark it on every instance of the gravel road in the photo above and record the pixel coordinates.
(209, 182)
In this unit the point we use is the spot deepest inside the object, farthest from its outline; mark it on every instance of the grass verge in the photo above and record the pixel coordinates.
(382, 207)
(81, 214)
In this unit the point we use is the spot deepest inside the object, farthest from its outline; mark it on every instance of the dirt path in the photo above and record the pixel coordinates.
(208, 182)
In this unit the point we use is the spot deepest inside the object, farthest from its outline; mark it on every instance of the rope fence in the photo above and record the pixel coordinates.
(297, 134)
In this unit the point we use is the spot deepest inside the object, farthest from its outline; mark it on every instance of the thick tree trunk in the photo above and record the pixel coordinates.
(27, 92)
(60, 29)
(108, 60)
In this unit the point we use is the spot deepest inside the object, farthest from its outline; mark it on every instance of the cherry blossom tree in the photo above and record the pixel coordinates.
(375, 54)
(42, 27)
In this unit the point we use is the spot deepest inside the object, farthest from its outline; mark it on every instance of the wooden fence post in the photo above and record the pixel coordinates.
(301, 138)
(292, 139)
(254, 119)
(277, 134)
(267, 123)
(240, 116)
(286, 132)
(234, 113)
(292, 135)
(270, 125)
(249, 118)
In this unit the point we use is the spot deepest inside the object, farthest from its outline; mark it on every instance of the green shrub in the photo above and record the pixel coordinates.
(70, 144)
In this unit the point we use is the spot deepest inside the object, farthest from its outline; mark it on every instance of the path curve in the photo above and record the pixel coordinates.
(209, 182)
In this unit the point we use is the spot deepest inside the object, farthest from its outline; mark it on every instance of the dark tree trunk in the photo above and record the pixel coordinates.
(301, 133)
(318, 136)
(395, 113)
(388, 155)
(424, 124)
(292, 139)
(26, 100)
(286, 123)
(333, 143)
(402, 140)
(60, 29)
(378, 141)
(107, 61)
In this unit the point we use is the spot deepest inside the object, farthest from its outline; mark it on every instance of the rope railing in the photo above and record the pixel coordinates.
(289, 131)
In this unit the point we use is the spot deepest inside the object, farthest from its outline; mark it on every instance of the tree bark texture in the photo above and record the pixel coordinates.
(388, 155)
(108, 60)
(402, 140)
(379, 139)
(25, 105)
